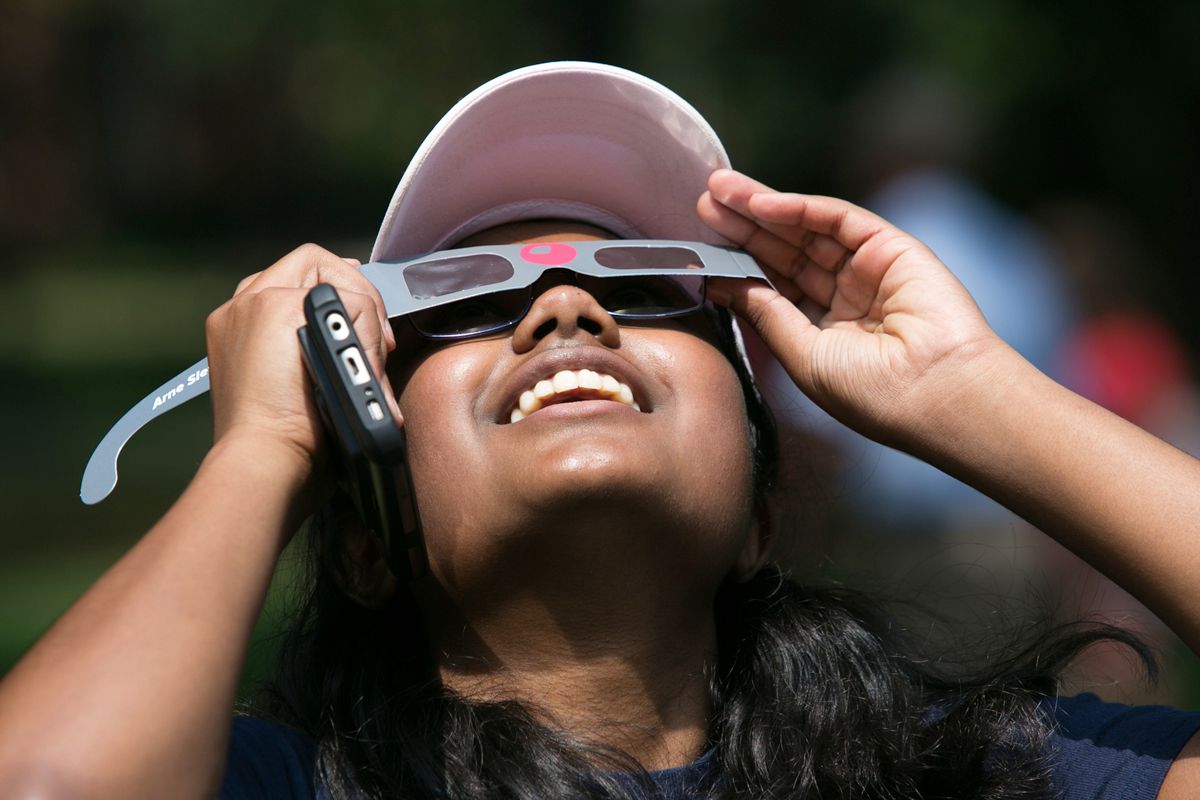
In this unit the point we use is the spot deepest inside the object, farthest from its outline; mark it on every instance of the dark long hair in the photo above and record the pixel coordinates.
(816, 694)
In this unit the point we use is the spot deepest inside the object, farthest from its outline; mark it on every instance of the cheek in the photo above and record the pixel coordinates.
(722, 464)
(712, 442)
(438, 388)
(706, 399)
(436, 400)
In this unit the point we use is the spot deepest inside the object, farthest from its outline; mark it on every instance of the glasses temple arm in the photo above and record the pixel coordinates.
(100, 474)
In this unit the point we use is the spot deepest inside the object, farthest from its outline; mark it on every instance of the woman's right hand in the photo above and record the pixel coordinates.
(128, 694)
(261, 392)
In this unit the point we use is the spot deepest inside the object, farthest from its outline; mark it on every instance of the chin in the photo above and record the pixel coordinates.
(594, 481)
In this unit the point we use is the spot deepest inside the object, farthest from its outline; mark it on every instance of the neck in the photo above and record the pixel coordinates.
(618, 661)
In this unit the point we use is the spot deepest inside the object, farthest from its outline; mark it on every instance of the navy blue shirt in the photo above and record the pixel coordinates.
(1104, 751)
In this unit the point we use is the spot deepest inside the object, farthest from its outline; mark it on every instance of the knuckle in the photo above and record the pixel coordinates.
(276, 296)
(310, 252)
(245, 283)
(351, 299)
(839, 222)
(261, 299)
(214, 320)
(266, 302)
(359, 302)
(360, 283)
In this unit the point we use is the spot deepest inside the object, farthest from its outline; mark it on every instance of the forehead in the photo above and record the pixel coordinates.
(534, 231)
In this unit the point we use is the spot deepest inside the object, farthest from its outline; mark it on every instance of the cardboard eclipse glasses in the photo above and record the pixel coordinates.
(413, 285)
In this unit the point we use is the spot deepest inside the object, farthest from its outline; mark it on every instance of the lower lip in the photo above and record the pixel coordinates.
(578, 408)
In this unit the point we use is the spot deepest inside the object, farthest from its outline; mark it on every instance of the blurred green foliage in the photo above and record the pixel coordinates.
(152, 153)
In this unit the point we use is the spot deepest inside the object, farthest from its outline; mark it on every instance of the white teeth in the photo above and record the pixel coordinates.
(606, 386)
(565, 381)
(528, 403)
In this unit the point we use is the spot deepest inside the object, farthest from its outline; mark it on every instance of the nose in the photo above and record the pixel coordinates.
(568, 312)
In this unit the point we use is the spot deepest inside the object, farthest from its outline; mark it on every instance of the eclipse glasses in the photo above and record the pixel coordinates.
(458, 294)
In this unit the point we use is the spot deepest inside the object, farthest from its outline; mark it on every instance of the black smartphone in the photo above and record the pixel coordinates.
(370, 452)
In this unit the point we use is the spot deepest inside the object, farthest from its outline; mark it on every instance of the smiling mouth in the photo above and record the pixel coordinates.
(571, 385)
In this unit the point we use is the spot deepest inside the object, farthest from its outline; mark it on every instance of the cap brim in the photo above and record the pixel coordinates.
(575, 140)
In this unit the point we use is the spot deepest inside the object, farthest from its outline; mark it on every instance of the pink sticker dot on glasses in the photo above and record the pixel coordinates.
(548, 254)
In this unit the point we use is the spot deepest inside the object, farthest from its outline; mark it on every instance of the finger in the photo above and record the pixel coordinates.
(379, 364)
(722, 289)
(245, 283)
(827, 253)
(844, 222)
(761, 243)
(793, 216)
(788, 333)
(785, 262)
(365, 320)
(813, 310)
(782, 284)
(818, 283)
(724, 220)
(733, 190)
(310, 264)
(390, 395)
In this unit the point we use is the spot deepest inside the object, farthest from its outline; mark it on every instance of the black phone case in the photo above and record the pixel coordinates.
(371, 453)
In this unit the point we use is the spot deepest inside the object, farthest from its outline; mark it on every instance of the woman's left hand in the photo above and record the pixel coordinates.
(866, 320)
(877, 331)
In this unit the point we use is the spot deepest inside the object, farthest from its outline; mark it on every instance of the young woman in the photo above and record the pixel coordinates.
(601, 617)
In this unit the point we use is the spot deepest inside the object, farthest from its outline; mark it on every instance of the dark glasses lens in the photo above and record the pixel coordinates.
(645, 296)
(634, 297)
(475, 316)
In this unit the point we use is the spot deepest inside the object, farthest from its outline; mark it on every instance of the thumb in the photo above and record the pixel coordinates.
(786, 331)
(390, 395)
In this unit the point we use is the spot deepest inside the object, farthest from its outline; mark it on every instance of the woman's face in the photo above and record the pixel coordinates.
(665, 486)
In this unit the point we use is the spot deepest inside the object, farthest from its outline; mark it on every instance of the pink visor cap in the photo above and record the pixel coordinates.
(564, 140)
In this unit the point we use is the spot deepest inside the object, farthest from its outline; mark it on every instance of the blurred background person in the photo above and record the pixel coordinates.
(1122, 354)
(911, 140)
(1064, 290)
